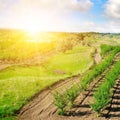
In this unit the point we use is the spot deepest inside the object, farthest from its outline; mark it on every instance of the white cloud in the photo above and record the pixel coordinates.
(4, 4)
(58, 5)
(50, 13)
(112, 14)
(112, 9)
(81, 5)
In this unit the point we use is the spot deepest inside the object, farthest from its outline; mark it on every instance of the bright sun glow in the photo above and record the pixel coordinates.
(34, 25)
(35, 34)
(32, 30)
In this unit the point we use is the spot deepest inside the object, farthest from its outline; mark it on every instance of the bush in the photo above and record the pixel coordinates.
(60, 102)
(71, 94)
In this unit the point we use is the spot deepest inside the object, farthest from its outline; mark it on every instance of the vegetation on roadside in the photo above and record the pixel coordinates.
(70, 95)
(104, 92)
(105, 49)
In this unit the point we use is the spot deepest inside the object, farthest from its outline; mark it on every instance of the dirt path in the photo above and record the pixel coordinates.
(4, 66)
(42, 107)
(97, 57)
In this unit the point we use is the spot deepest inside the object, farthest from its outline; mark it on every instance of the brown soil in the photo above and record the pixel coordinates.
(59, 72)
(97, 58)
(43, 108)
(4, 66)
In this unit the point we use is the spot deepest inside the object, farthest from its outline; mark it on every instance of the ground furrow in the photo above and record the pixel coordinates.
(113, 109)
(42, 108)
(44, 100)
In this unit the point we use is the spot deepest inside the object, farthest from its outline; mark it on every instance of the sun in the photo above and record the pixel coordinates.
(32, 30)
(34, 33)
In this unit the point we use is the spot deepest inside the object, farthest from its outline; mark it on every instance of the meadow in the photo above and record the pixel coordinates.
(36, 65)
(19, 83)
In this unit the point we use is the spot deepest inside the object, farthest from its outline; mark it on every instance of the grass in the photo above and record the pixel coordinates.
(103, 94)
(106, 49)
(70, 62)
(18, 83)
(24, 51)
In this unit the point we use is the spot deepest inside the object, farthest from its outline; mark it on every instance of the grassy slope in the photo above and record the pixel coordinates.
(19, 83)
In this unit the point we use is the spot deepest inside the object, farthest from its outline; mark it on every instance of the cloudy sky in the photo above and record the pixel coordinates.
(61, 15)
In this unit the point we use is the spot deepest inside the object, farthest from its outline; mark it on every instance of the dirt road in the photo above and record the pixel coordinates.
(42, 106)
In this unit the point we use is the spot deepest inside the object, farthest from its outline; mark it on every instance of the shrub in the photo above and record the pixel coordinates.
(60, 102)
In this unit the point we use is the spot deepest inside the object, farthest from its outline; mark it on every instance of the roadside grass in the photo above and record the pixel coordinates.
(19, 83)
(69, 96)
(105, 49)
(9, 118)
(104, 92)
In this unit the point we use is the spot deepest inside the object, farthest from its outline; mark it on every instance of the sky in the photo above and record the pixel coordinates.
(61, 15)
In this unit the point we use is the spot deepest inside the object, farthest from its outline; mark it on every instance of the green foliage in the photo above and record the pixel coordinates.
(17, 80)
(97, 70)
(71, 94)
(103, 94)
(66, 44)
(106, 48)
(19, 42)
(70, 62)
(60, 102)
(9, 118)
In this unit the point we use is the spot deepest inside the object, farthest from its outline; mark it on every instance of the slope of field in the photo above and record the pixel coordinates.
(31, 63)
(18, 83)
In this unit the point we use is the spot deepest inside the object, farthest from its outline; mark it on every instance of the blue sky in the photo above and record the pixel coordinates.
(61, 15)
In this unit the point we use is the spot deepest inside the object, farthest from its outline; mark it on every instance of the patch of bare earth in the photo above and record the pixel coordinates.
(97, 57)
(4, 66)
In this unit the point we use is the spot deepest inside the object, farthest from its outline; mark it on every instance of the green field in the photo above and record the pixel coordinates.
(53, 60)
(19, 83)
